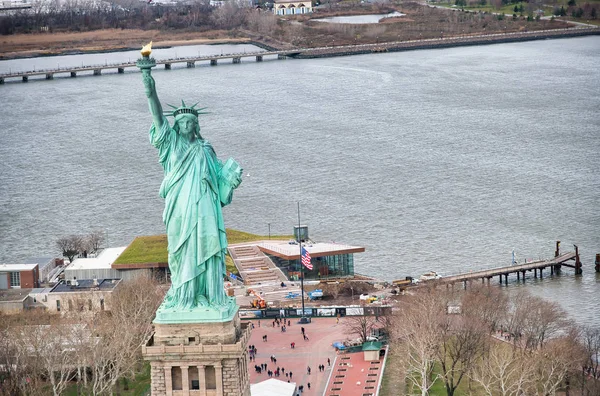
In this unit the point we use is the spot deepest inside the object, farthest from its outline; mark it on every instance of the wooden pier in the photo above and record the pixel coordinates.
(538, 267)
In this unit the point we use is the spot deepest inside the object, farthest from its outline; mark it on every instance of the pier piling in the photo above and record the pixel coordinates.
(49, 76)
(25, 78)
(120, 70)
(259, 58)
(578, 270)
(97, 72)
(598, 262)
(191, 64)
(167, 66)
(213, 62)
(73, 74)
(237, 60)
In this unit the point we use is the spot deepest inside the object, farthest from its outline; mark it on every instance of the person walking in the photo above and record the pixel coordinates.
(302, 330)
(328, 362)
(308, 385)
(308, 370)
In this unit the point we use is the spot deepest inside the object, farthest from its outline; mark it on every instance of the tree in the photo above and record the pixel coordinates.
(554, 362)
(94, 240)
(463, 339)
(122, 331)
(487, 304)
(360, 326)
(416, 329)
(70, 246)
(504, 371)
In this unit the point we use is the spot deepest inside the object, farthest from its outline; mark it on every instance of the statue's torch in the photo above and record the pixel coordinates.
(145, 62)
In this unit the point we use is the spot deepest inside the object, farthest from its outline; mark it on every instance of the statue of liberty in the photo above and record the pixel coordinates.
(195, 187)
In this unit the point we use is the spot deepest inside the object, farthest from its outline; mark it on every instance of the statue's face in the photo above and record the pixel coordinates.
(187, 126)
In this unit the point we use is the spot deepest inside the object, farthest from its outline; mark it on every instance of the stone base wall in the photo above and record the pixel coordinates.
(210, 333)
(157, 374)
(221, 370)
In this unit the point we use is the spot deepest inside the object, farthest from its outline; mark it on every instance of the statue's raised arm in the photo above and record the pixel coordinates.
(146, 64)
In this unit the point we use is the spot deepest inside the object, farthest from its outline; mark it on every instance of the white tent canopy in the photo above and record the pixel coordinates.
(273, 387)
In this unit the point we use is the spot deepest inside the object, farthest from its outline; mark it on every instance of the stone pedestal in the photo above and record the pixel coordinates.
(203, 359)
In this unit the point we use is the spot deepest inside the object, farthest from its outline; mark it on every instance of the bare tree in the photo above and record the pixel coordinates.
(122, 332)
(532, 320)
(360, 326)
(504, 371)
(463, 339)
(590, 340)
(556, 360)
(417, 329)
(50, 347)
(488, 304)
(94, 240)
(70, 246)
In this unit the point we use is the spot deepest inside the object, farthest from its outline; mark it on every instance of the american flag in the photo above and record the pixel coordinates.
(306, 259)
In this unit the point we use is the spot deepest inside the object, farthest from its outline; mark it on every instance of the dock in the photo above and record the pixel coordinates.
(538, 267)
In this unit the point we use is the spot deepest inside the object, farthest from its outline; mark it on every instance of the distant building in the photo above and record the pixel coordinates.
(83, 295)
(286, 7)
(17, 276)
(101, 267)
(15, 300)
(45, 266)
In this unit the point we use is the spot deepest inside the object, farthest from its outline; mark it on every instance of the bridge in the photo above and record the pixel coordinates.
(317, 52)
(120, 67)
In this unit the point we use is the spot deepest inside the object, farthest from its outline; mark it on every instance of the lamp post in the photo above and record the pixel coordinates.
(269, 224)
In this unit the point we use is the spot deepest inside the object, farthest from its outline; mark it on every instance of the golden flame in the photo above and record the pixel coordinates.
(147, 49)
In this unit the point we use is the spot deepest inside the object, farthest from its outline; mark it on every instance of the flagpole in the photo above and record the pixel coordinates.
(302, 318)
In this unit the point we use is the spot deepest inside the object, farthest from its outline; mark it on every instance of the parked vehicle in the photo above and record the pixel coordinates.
(431, 275)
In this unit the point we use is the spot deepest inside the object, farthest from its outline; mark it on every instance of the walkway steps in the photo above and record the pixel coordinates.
(254, 266)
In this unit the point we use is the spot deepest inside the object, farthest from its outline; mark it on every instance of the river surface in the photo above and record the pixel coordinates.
(442, 160)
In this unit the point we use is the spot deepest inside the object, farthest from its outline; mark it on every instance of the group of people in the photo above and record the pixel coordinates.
(280, 371)
(252, 352)
(280, 322)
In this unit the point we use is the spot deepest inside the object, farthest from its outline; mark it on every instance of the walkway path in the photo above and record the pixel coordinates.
(322, 332)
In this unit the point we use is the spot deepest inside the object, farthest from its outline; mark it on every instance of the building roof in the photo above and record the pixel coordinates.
(103, 261)
(371, 346)
(14, 294)
(84, 285)
(273, 387)
(291, 251)
(16, 267)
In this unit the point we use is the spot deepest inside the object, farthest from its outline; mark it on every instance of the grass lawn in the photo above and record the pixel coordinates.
(138, 387)
(153, 249)
(395, 383)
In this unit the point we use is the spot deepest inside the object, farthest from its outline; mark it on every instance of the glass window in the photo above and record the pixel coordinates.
(58, 305)
(15, 279)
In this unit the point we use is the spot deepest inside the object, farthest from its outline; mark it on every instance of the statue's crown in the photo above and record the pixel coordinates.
(183, 109)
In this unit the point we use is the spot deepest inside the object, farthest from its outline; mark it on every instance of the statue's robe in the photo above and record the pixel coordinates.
(196, 236)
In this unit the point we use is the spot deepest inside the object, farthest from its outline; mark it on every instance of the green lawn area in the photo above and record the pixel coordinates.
(153, 249)
(138, 387)
(394, 383)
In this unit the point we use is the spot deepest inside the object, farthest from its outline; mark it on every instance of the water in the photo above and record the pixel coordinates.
(359, 19)
(439, 160)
